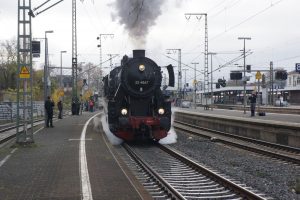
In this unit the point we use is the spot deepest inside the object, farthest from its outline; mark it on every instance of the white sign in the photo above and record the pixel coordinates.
(297, 67)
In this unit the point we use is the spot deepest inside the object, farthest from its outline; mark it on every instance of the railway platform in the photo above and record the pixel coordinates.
(64, 163)
(282, 117)
(277, 128)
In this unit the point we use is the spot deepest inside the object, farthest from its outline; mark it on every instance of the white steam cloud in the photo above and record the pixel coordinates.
(101, 123)
(137, 16)
(111, 137)
(172, 136)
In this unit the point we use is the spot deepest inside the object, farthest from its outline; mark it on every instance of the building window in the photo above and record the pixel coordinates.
(290, 80)
(298, 81)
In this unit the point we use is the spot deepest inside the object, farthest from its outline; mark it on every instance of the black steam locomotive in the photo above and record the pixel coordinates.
(137, 107)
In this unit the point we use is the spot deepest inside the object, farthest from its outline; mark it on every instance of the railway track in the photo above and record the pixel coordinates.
(273, 150)
(167, 174)
(5, 125)
(9, 132)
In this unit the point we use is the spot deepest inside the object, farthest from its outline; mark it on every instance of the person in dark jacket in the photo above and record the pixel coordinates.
(73, 107)
(60, 108)
(49, 104)
(252, 100)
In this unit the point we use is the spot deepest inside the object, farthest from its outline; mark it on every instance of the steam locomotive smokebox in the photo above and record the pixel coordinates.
(138, 53)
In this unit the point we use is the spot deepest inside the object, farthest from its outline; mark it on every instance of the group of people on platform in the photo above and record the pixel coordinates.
(76, 108)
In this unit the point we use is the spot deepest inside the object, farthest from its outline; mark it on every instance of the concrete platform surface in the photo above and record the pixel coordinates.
(51, 167)
(293, 118)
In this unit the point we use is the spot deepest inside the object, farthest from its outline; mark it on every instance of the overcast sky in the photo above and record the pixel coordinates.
(273, 25)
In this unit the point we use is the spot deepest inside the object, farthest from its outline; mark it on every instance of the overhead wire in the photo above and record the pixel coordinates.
(216, 6)
(183, 63)
(235, 2)
(219, 12)
(232, 61)
(239, 24)
(247, 53)
(279, 60)
(245, 20)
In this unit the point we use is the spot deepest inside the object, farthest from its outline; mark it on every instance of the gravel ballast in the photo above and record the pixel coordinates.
(273, 178)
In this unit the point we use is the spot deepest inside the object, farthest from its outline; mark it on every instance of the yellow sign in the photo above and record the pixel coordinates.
(195, 82)
(61, 93)
(24, 73)
(258, 75)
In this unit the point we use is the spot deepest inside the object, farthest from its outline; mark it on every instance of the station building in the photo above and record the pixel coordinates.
(233, 93)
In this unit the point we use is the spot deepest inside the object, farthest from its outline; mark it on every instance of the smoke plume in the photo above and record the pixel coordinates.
(137, 16)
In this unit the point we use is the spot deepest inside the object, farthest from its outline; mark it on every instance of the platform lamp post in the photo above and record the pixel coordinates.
(195, 82)
(184, 87)
(61, 79)
(244, 81)
(211, 78)
(46, 66)
(46, 90)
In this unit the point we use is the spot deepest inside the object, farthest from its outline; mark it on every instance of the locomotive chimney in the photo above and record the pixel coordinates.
(138, 53)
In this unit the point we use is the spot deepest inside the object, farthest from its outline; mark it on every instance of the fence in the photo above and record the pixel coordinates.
(8, 110)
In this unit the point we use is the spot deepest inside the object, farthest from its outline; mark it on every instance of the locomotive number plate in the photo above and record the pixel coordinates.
(141, 82)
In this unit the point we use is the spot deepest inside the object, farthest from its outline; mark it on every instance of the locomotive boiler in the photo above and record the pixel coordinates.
(137, 107)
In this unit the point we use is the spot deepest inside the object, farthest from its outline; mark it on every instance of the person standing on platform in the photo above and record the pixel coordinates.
(73, 107)
(252, 100)
(81, 104)
(60, 108)
(49, 104)
(91, 104)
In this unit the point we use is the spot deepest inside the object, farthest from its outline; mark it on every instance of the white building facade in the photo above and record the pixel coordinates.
(293, 87)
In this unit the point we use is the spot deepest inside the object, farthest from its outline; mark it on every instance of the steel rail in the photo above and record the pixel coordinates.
(256, 149)
(247, 194)
(13, 135)
(169, 189)
(235, 189)
(256, 141)
(15, 126)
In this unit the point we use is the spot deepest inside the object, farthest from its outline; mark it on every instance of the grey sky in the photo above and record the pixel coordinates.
(273, 25)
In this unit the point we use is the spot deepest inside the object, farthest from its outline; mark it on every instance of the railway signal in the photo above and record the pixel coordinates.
(281, 75)
(236, 76)
(36, 48)
(248, 68)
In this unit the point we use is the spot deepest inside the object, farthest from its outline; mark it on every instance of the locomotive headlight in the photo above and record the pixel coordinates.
(124, 111)
(142, 68)
(161, 111)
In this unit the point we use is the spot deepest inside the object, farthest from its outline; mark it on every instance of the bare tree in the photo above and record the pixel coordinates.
(8, 63)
